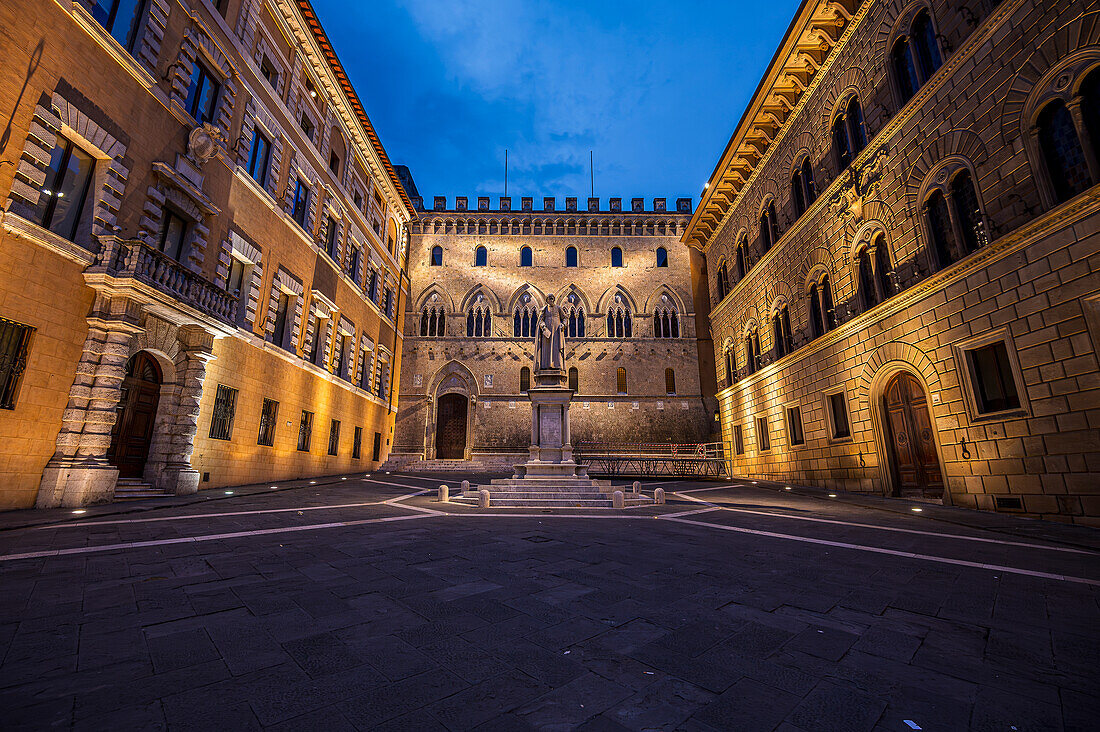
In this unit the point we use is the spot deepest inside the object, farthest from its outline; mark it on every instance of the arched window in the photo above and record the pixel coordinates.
(524, 379)
(939, 225)
(525, 257)
(742, 258)
(849, 137)
(437, 256)
(574, 379)
(965, 201)
(883, 268)
(524, 320)
(575, 324)
(723, 282)
(618, 321)
(479, 321)
(571, 257)
(670, 381)
(731, 364)
(662, 257)
(867, 293)
(781, 331)
(666, 322)
(616, 257)
(481, 257)
(1062, 152)
(915, 57)
(620, 380)
(752, 350)
(955, 224)
(432, 323)
(803, 190)
(821, 307)
(769, 228)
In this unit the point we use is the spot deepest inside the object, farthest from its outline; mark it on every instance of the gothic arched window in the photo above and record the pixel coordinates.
(803, 190)
(915, 57)
(481, 257)
(666, 322)
(769, 228)
(662, 257)
(867, 293)
(575, 324)
(752, 351)
(525, 257)
(571, 257)
(849, 137)
(781, 331)
(939, 226)
(821, 307)
(742, 258)
(479, 321)
(954, 218)
(524, 320)
(619, 323)
(965, 201)
(432, 323)
(524, 379)
(731, 364)
(616, 257)
(437, 256)
(670, 381)
(723, 282)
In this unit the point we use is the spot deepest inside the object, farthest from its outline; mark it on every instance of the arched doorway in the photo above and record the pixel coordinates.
(137, 413)
(450, 427)
(910, 442)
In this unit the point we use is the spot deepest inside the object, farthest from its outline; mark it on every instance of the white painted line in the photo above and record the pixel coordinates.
(207, 537)
(712, 488)
(691, 513)
(78, 524)
(892, 552)
(940, 534)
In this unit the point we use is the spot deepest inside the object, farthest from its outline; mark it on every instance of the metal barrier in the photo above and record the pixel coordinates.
(682, 460)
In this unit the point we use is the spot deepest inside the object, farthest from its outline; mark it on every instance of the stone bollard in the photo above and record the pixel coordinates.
(444, 494)
(483, 498)
(637, 486)
(465, 486)
(659, 496)
(618, 500)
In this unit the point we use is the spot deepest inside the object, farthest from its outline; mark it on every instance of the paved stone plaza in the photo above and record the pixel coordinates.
(353, 604)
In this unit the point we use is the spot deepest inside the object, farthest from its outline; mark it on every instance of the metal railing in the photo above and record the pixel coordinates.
(687, 460)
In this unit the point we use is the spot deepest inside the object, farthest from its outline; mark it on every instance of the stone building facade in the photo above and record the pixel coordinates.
(901, 243)
(203, 252)
(480, 276)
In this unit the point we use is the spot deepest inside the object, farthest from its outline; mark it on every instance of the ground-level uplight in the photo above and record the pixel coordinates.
(229, 493)
(786, 487)
(917, 509)
(313, 482)
(832, 495)
(343, 479)
(274, 487)
(79, 511)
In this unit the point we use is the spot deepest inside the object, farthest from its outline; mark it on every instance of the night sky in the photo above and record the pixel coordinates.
(654, 88)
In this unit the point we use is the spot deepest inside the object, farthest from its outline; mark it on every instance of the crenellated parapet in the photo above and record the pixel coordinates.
(549, 205)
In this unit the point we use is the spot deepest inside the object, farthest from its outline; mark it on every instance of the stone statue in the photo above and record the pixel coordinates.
(550, 337)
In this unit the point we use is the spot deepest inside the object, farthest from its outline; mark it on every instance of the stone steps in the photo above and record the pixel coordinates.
(127, 489)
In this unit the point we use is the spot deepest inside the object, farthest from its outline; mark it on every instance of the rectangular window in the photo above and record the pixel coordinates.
(123, 19)
(357, 442)
(300, 209)
(305, 431)
(365, 372)
(339, 360)
(334, 437)
(173, 234)
(225, 405)
(994, 385)
(738, 439)
(15, 339)
(763, 440)
(387, 302)
(268, 417)
(267, 68)
(278, 335)
(372, 288)
(380, 381)
(377, 452)
(334, 163)
(794, 426)
(63, 195)
(353, 266)
(328, 234)
(202, 97)
(620, 380)
(307, 125)
(235, 284)
(317, 348)
(838, 414)
(260, 158)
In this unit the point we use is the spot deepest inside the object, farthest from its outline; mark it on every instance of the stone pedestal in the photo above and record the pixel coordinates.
(551, 453)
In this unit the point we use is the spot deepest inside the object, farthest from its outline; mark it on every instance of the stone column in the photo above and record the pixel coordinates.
(78, 474)
(196, 350)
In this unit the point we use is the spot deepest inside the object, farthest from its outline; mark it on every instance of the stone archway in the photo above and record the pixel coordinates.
(452, 411)
(452, 384)
(132, 434)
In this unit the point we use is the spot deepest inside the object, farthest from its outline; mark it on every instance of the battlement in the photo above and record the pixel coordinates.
(549, 205)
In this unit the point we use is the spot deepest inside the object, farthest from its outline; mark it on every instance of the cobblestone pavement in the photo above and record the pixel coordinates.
(354, 604)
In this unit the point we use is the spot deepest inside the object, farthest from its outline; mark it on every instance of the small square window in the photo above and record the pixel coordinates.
(794, 426)
(994, 385)
(763, 441)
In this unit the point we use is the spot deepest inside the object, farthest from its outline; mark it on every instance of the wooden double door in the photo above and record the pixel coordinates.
(450, 427)
(910, 439)
(137, 415)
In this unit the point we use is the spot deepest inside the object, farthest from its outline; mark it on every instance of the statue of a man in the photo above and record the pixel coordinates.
(550, 337)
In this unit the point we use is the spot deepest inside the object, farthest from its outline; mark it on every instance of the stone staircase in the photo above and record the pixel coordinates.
(133, 489)
(550, 493)
(480, 463)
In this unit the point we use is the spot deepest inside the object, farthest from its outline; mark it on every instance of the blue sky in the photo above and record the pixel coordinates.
(654, 88)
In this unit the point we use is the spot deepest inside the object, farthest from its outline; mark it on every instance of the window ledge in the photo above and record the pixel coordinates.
(1001, 415)
(22, 228)
(839, 440)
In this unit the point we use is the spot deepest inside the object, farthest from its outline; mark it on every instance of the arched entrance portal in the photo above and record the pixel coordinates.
(910, 442)
(450, 426)
(137, 413)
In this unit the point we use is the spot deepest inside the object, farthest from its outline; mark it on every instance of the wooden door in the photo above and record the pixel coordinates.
(909, 437)
(137, 414)
(450, 429)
